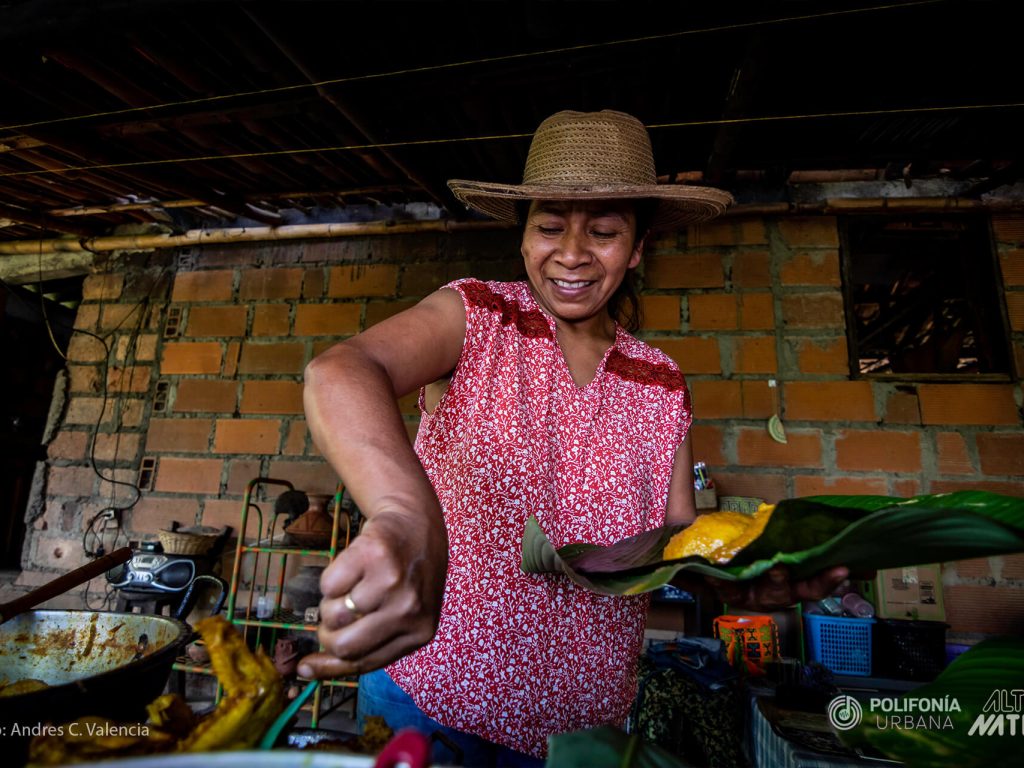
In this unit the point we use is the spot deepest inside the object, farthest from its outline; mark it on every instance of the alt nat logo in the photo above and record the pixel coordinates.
(1003, 713)
(844, 712)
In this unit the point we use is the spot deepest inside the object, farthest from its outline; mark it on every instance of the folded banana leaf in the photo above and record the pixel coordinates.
(863, 533)
(982, 729)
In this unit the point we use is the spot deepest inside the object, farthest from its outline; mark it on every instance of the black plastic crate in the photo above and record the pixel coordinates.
(909, 650)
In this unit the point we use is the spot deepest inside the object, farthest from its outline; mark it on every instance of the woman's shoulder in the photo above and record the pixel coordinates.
(637, 361)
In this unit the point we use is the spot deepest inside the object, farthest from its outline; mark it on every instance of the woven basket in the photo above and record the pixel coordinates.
(186, 543)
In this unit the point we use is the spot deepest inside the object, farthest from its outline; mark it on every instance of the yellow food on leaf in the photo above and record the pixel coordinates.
(718, 536)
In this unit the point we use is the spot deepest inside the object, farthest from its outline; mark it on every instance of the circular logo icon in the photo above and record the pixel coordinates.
(844, 712)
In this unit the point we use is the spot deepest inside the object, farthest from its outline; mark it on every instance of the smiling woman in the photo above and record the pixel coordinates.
(554, 410)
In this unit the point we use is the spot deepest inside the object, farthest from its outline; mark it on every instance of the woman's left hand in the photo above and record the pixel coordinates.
(775, 589)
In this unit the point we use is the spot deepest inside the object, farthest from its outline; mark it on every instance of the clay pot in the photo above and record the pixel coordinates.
(303, 589)
(286, 656)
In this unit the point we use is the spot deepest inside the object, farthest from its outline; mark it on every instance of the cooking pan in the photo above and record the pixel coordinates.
(95, 663)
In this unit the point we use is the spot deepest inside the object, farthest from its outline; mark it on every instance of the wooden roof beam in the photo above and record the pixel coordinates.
(45, 221)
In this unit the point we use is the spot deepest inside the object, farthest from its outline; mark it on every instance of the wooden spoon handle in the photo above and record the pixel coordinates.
(62, 584)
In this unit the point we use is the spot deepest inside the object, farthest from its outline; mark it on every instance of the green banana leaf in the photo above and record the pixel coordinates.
(863, 533)
(606, 747)
(992, 666)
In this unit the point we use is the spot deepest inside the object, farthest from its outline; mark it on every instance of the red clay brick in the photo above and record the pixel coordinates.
(231, 357)
(308, 476)
(818, 485)
(321, 345)
(689, 270)
(270, 284)
(70, 481)
(103, 287)
(713, 312)
(993, 610)
(327, 319)
(68, 445)
(154, 514)
(422, 279)
(133, 379)
(240, 473)
(716, 399)
(205, 396)
(906, 487)
(693, 354)
(271, 320)
(217, 321)
(823, 355)
(731, 231)
(122, 316)
(757, 311)
(145, 347)
(830, 401)
(1001, 454)
(363, 280)
(247, 436)
(1013, 566)
(313, 284)
(978, 568)
(770, 487)
(87, 317)
(178, 435)
(382, 310)
(968, 404)
(708, 442)
(271, 397)
(132, 412)
(877, 451)
(295, 440)
(86, 410)
(191, 357)
(811, 268)
(1015, 309)
(1009, 228)
(218, 513)
(124, 444)
(1018, 356)
(62, 554)
(751, 269)
(754, 354)
(85, 378)
(951, 450)
(283, 357)
(209, 285)
(810, 231)
(756, 449)
(813, 310)
(85, 349)
(178, 475)
(757, 399)
(903, 408)
(659, 313)
(1012, 264)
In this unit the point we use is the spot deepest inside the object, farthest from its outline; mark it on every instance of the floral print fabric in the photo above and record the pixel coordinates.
(517, 656)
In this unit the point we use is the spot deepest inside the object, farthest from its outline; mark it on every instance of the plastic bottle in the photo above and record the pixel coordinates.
(857, 606)
(263, 607)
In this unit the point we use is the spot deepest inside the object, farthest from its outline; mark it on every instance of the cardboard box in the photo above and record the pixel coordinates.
(906, 593)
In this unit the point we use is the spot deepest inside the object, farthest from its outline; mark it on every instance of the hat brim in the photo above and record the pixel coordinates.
(678, 204)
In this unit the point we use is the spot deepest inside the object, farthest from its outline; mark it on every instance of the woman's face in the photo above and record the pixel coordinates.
(576, 254)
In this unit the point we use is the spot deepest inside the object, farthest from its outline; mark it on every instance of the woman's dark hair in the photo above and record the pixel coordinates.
(624, 304)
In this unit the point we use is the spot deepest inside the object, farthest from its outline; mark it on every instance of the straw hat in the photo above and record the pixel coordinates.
(593, 156)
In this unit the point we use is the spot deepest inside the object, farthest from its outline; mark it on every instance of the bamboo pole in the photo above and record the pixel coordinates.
(227, 236)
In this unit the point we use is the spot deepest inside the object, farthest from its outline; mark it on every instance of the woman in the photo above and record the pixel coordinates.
(552, 409)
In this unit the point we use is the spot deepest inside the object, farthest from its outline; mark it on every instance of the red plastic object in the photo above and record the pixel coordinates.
(408, 748)
(749, 640)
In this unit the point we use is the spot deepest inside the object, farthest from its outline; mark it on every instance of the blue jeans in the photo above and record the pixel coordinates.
(379, 695)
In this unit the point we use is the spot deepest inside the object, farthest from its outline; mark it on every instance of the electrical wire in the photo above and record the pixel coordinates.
(471, 62)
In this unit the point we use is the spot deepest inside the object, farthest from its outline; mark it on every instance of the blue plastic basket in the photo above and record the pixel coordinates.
(841, 644)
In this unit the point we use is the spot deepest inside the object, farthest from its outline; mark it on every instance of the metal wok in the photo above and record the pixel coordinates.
(95, 663)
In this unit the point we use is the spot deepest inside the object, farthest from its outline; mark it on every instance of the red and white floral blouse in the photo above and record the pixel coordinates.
(517, 656)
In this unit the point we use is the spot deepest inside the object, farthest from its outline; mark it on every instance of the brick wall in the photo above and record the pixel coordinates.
(214, 395)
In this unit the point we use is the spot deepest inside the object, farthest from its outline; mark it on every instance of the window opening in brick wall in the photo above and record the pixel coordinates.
(923, 296)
